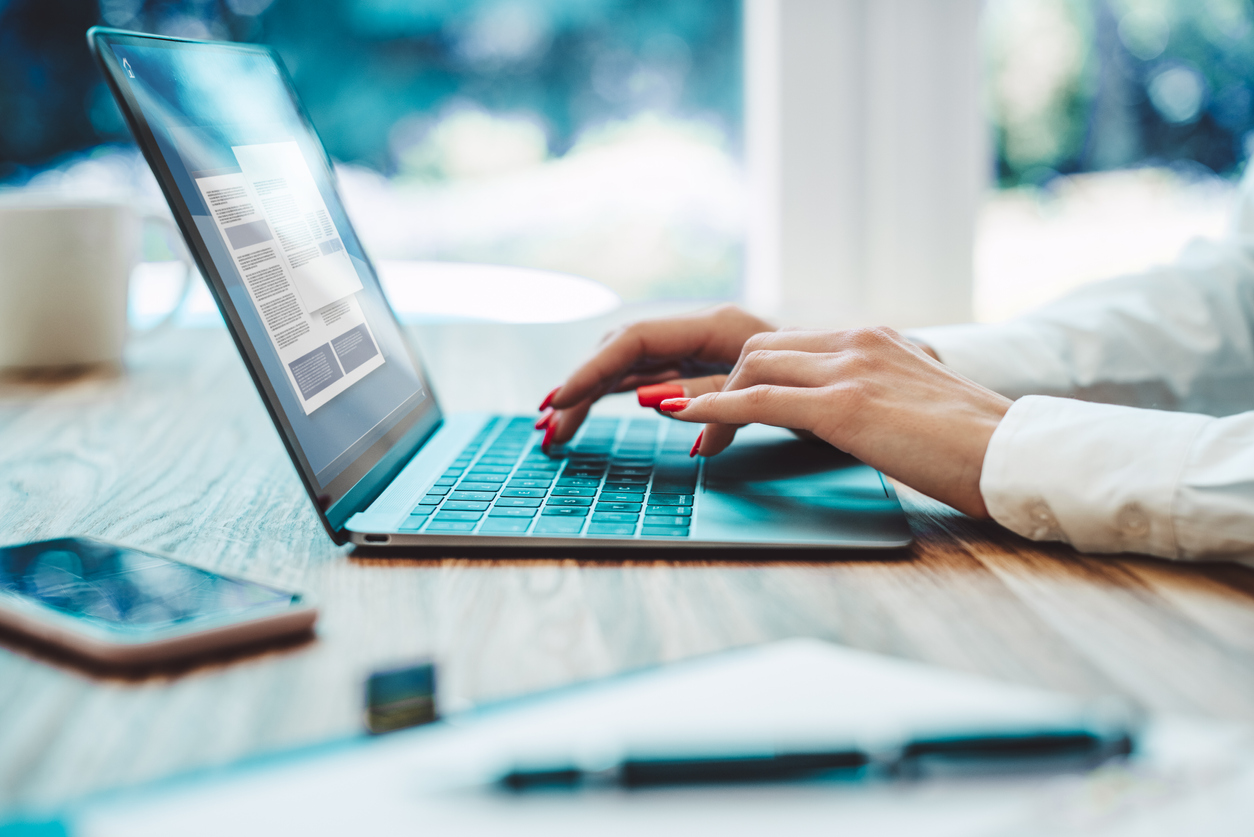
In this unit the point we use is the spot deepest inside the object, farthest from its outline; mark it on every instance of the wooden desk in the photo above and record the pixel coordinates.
(179, 455)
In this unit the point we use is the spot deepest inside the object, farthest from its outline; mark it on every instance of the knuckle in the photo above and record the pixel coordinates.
(862, 338)
(756, 359)
(758, 396)
(757, 342)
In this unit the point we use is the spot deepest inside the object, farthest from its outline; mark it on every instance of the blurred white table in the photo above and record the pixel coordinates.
(420, 292)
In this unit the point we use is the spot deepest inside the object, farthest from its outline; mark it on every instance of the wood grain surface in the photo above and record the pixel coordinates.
(177, 454)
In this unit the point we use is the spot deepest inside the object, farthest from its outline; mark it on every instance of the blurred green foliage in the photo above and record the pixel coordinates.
(377, 74)
(1092, 85)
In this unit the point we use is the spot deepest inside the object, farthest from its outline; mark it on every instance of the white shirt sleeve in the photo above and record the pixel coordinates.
(1180, 337)
(1108, 478)
(1171, 475)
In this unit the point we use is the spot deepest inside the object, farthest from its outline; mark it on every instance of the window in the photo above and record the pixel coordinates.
(596, 137)
(1120, 126)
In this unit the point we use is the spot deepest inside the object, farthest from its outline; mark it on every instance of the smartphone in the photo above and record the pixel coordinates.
(123, 606)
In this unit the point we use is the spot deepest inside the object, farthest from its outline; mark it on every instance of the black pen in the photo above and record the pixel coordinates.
(1054, 750)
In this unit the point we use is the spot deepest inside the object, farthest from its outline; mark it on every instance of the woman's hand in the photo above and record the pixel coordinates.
(648, 353)
(869, 392)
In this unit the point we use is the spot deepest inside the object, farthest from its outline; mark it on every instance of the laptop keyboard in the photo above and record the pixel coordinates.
(618, 478)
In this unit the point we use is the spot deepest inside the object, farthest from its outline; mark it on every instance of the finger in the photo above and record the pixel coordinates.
(785, 368)
(651, 396)
(778, 406)
(715, 438)
(566, 423)
(778, 368)
(636, 380)
(655, 341)
(825, 342)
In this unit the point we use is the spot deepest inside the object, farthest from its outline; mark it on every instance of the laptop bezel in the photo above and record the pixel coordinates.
(368, 475)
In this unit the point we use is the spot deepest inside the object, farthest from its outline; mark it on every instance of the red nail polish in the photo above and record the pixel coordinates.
(549, 433)
(696, 445)
(548, 399)
(543, 421)
(674, 405)
(655, 394)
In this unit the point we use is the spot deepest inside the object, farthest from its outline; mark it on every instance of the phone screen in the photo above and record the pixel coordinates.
(126, 591)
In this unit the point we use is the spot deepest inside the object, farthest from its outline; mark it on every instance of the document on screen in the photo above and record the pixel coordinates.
(294, 266)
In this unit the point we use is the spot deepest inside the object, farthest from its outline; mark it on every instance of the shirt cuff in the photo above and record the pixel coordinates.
(1102, 477)
(1012, 358)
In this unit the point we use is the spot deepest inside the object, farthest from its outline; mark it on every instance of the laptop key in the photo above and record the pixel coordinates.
(619, 507)
(493, 469)
(627, 529)
(579, 482)
(670, 510)
(476, 476)
(626, 480)
(666, 520)
(438, 489)
(619, 497)
(519, 502)
(530, 483)
(464, 505)
(480, 486)
(567, 491)
(613, 517)
(570, 501)
(565, 511)
(431, 500)
(446, 481)
(446, 516)
(504, 525)
(422, 511)
(473, 496)
(624, 486)
(511, 511)
(451, 526)
(670, 499)
(547, 476)
(523, 492)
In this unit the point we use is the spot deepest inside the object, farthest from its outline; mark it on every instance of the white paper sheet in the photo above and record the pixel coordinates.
(426, 781)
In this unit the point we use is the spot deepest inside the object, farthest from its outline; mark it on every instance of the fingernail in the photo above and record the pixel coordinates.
(544, 418)
(655, 394)
(696, 446)
(548, 399)
(674, 405)
(549, 433)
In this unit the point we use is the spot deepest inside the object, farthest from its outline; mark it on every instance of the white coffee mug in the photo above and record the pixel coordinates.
(65, 269)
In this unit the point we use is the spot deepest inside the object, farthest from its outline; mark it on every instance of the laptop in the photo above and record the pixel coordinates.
(253, 192)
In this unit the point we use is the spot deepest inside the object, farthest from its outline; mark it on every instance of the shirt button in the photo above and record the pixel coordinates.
(1133, 521)
(1044, 524)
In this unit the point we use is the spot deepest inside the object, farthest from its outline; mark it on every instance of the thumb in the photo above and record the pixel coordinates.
(655, 394)
(723, 412)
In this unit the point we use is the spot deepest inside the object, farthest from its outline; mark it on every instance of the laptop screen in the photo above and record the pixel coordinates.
(253, 187)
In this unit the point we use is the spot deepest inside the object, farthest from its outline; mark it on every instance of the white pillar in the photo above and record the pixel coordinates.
(867, 154)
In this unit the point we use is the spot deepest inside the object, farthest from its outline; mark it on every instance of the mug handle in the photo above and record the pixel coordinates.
(179, 248)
